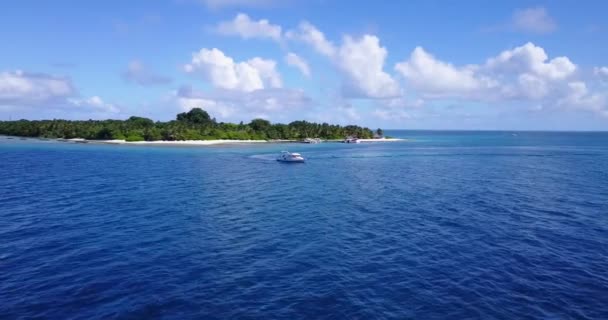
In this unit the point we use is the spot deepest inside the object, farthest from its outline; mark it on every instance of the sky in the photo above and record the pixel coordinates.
(471, 65)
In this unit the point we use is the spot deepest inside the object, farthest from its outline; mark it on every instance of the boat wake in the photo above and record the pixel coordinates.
(264, 157)
(319, 156)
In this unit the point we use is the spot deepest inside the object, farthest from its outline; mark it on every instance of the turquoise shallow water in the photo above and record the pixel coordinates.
(493, 225)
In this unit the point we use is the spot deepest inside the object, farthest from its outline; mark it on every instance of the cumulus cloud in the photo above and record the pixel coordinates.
(24, 88)
(246, 28)
(360, 60)
(309, 34)
(524, 74)
(94, 103)
(524, 71)
(39, 90)
(601, 71)
(533, 20)
(534, 60)
(266, 70)
(437, 78)
(580, 97)
(230, 105)
(215, 108)
(242, 90)
(296, 61)
(530, 86)
(521, 72)
(137, 73)
(223, 72)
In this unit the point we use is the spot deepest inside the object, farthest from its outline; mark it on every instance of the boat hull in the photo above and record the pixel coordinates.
(291, 161)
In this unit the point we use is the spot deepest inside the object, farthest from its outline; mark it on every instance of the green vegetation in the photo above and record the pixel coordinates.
(193, 125)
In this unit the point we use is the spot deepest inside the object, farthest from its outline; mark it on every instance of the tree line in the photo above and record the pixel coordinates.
(195, 124)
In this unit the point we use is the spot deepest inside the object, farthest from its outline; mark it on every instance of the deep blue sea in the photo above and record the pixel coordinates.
(446, 225)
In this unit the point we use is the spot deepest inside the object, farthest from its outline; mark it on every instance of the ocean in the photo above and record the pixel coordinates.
(445, 225)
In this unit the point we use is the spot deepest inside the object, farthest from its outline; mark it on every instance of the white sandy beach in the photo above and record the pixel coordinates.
(186, 142)
(211, 142)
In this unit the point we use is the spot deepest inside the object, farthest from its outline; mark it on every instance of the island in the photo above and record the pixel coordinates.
(195, 126)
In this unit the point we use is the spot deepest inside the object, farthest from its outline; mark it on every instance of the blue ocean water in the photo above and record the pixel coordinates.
(447, 225)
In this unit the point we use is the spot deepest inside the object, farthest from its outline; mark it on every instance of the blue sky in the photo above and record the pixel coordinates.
(391, 64)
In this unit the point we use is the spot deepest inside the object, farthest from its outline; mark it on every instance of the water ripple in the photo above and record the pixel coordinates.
(382, 232)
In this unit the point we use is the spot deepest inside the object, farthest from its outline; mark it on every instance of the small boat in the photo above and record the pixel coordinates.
(351, 140)
(286, 156)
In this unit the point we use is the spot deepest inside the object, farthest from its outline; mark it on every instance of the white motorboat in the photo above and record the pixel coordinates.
(351, 140)
(286, 156)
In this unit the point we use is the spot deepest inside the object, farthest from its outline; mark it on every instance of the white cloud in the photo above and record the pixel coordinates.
(524, 74)
(533, 20)
(230, 105)
(601, 71)
(218, 110)
(580, 97)
(267, 72)
(43, 92)
(437, 78)
(296, 61)
(532, 86)
(23, 88)
(532, 59)
(137, 73)
(94, 103)
(246, 28)
(362, 61)
(309, 34)
(223, 72)
(521, 72)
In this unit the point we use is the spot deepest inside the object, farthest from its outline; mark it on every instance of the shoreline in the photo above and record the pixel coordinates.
(175, 143)
(192, 142)
(215, 142)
